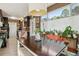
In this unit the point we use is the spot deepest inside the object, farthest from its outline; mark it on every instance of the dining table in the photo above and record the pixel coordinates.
(53, 45)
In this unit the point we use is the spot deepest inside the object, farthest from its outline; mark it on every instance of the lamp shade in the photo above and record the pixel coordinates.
(38, 12)
(42, 12)
(33, 12)
(21, 18)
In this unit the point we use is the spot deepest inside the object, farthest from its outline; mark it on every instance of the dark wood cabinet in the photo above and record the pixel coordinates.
(1, 13)
(27, 25)
(5, 25)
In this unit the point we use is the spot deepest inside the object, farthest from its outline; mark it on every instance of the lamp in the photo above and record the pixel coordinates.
(33, 12)
(39, 12)
(21, 18)
(42, 12)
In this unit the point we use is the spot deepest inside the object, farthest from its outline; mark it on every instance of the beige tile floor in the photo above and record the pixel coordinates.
(11, 49)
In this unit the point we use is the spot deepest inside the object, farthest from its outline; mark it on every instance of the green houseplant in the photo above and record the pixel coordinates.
(38, 30)
(69, 35)
(67, 31)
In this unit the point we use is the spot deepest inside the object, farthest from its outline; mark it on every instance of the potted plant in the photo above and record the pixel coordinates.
(70, 36)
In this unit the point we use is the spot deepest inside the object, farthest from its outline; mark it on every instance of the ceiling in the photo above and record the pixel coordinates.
(49, 4)
(15, 9)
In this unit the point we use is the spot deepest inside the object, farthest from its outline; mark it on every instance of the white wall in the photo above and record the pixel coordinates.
(61, 24)
(75, 22)
(13, 29)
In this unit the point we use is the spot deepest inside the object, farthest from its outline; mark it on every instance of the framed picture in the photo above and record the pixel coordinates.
(75, 8)
(66, 11)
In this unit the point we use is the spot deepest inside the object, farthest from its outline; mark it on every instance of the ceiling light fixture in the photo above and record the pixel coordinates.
(39, 12)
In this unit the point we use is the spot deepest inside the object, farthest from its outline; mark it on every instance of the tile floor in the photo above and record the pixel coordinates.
(11, 49)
